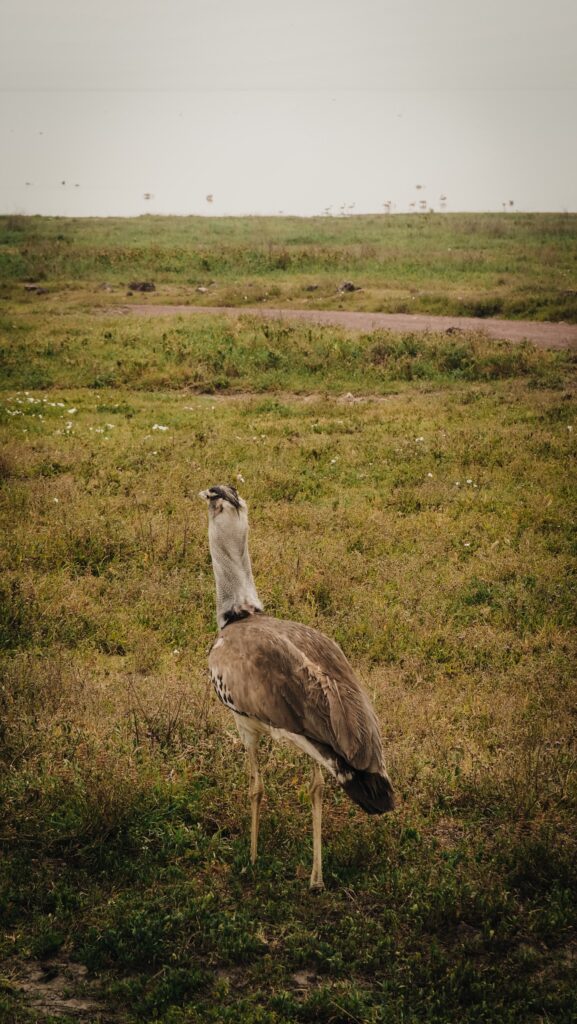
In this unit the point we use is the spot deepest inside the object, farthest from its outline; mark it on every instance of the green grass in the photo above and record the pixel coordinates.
(211, 354)
(520, 266)
(428, 527)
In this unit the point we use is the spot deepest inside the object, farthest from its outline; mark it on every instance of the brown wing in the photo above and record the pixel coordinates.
(292, 677)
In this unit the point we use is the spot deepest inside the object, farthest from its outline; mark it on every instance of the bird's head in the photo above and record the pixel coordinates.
(227, 517)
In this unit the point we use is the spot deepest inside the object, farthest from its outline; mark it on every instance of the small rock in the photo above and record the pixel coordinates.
(142, 286)
(349, 397)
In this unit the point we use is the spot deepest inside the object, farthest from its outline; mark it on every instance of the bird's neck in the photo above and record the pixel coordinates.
(236, 594)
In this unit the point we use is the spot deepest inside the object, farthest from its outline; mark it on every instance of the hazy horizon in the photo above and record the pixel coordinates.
(127, 109)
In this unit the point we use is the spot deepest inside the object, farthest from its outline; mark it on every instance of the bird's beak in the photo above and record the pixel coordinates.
(205, 495)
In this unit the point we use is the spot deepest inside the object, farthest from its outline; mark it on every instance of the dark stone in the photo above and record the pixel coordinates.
(142, 286)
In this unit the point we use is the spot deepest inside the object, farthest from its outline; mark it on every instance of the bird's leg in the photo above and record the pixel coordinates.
(316, 788)
(256, 790)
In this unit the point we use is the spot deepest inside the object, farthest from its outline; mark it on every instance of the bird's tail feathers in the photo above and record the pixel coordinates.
(370, 790)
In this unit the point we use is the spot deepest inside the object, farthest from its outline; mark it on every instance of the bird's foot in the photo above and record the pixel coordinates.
(316, 885)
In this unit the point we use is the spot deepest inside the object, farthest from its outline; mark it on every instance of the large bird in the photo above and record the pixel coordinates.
(288, 681)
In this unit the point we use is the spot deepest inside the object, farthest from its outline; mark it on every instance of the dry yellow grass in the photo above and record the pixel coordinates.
(431, 533)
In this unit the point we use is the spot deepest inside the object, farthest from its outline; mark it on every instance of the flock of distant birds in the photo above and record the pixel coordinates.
(346, 209)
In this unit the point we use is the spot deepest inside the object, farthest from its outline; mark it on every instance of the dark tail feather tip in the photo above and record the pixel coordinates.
(371, 791)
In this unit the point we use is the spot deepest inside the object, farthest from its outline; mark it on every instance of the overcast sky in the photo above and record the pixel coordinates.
(290, 106)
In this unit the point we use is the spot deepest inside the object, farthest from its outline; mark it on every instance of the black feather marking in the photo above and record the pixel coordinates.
(223, 693)
(244, 613)
(225, 492)
(371, 791)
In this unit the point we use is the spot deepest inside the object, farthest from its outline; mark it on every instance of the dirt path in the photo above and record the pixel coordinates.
(541, 334)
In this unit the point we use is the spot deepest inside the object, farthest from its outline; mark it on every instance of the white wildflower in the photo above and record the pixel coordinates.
(240, 477)
(71, 411)
(158, 426)
(430, 475)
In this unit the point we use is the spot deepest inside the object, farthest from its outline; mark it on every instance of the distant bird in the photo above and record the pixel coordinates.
(210, 198)
(288, 681)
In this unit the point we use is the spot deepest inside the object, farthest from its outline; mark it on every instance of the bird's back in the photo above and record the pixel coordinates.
(292, 677)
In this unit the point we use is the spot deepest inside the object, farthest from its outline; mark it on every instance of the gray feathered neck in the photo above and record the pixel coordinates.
(236, 594)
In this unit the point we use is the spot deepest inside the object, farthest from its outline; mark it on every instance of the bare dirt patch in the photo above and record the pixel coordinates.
(60, 989)
(541, 334)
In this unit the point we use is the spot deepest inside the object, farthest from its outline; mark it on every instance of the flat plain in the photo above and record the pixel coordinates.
(411, 496)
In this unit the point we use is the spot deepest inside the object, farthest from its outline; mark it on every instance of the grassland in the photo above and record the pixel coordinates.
(521, 266)
(428, 527)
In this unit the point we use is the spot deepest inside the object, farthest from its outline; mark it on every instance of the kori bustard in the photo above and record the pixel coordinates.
(287, 681)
